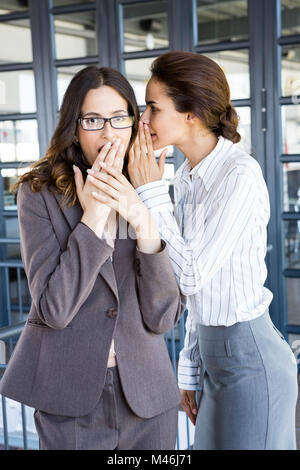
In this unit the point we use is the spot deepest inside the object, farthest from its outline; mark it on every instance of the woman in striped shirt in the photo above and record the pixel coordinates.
(216, 237)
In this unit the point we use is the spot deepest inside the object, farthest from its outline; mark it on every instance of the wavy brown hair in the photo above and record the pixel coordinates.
(198, 85)
(55, 169)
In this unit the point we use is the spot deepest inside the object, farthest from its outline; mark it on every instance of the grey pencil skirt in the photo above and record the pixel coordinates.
(249, 388)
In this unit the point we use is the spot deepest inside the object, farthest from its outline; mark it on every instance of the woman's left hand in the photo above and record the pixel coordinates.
(142, 165)
(117, 193)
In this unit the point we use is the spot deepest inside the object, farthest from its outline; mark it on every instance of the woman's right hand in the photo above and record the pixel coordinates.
(188, 403)
(95, 213)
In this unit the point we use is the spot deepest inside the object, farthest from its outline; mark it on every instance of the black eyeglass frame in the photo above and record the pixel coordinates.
(105, 121)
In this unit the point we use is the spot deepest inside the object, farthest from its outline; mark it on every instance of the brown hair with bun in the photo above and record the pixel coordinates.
(198, 85)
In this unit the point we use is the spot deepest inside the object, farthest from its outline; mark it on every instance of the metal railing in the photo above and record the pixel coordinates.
(174, 341)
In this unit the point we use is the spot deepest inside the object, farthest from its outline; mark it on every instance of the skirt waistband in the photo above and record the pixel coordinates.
(225, 332)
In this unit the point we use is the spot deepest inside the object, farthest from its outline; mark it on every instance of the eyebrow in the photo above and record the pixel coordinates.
(92, 113)
(151, 102)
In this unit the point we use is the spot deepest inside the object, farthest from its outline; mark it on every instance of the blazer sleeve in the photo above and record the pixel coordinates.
(161, 302)
(59, 281)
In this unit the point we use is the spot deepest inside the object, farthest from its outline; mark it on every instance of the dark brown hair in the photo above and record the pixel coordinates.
(56, 167)
(197, 84)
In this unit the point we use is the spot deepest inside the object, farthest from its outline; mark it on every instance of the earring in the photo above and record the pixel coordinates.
(76, 141)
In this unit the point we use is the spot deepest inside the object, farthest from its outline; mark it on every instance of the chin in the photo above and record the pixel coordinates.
(156, 145)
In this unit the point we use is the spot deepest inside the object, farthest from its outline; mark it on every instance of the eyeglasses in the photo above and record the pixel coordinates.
(96, 124)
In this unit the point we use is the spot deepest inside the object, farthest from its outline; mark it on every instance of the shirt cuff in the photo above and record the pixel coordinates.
(189, 376)
(155, 196)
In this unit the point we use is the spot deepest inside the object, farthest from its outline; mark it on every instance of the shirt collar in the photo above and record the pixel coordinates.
(208, 166)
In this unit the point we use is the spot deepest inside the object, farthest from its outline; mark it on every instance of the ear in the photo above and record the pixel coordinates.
(190, 118)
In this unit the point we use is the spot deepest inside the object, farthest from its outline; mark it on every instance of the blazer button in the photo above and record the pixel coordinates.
(111, 312)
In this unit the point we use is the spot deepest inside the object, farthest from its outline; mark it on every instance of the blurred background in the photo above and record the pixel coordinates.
(43, 43)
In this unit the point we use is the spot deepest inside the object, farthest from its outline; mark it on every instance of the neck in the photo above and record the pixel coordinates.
(197, 147)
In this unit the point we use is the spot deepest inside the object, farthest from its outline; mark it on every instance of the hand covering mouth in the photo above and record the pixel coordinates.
(100, 148)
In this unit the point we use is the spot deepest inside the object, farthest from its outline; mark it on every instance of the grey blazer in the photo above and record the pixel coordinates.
(81, 299)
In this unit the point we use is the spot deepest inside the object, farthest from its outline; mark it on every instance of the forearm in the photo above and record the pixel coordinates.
(189, 365)
(147, 234)
(60, 294)
(96, 222)
(160, 301)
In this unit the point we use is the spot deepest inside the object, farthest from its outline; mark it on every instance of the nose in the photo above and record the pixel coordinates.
(145, 117)
(108, 131)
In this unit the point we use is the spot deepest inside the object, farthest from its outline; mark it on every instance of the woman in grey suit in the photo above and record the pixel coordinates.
(92, 359)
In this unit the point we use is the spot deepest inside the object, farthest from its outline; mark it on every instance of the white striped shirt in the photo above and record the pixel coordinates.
(216, 238)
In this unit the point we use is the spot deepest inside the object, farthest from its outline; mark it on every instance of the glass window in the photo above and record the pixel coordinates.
(75, 35)
(244, 128)
(58, 3)
(9, 178)
(9, 6)
(290, 17)
(138, 73)
(290, 116)
(290, 72)
(145, 26)
(220, 21)
(17, 92)
(291, 186)
(64, 76)
(12, 34)
(19, 141)
(19, 294)
(294, 342)
(12, 231)
(292, 293)
(235, 65)
(292, 244)
(13, 251)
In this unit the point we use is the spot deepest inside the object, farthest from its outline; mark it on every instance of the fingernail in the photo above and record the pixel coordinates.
(146, 126)
(75, 169)
(108, 145)
(102, 164)
(90, 171)
(91, 178)
(194, 411)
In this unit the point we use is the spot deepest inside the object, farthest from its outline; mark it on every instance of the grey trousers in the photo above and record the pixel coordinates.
(111, 425)
(249, 389)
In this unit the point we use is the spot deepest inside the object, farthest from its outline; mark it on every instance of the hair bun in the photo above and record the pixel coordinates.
(229, 121)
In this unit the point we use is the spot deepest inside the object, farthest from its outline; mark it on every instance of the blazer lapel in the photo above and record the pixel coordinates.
(73, 215)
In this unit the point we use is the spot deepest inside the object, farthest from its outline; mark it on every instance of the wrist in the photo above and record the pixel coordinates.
(96, 223)
(149, 246)
(147, 234)
(140, 218)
